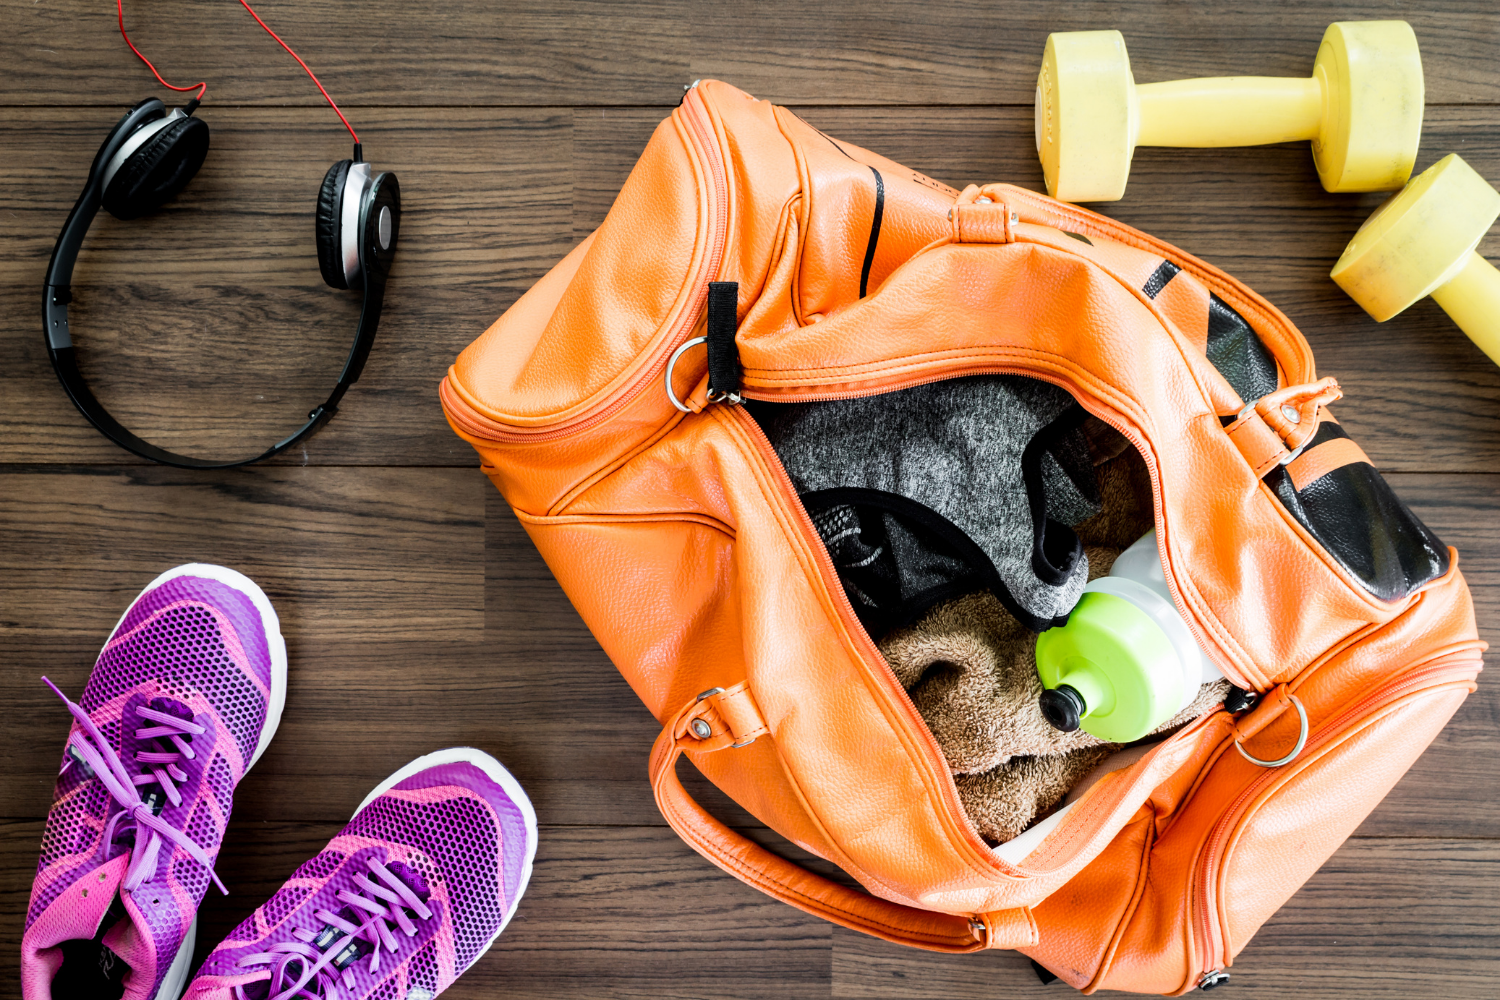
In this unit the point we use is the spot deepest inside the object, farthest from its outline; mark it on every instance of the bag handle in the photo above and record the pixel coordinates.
(716, 720)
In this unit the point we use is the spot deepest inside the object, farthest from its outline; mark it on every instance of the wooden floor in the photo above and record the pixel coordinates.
(417, 613)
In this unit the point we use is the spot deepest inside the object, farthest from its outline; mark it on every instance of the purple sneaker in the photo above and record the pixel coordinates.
(183, 699)
(407, 897)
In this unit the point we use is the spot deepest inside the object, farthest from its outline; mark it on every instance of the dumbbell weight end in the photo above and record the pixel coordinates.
(1422, 242)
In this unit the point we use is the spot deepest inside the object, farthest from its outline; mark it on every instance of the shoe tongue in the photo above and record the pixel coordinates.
(411, 878)
(172, 707)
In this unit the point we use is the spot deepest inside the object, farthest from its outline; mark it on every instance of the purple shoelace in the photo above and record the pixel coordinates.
(317, 963)
(94, 750)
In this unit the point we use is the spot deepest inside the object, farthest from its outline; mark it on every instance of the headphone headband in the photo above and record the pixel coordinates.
(372, 209)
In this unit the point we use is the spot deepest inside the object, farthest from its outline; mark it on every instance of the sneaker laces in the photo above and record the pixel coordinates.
(318, 962)
(94, 750)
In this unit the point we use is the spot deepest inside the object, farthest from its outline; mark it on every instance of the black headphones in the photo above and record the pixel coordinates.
(145, 161)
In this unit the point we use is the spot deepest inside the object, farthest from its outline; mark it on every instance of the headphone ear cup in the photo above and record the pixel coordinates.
(329, 223)
(156, 172)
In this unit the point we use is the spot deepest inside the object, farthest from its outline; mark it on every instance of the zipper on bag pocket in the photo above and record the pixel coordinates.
(1212, 936)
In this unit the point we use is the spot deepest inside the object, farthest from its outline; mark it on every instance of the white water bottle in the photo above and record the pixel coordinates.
(1126, 661)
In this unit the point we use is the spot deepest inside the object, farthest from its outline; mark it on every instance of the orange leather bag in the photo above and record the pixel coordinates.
(680, 540)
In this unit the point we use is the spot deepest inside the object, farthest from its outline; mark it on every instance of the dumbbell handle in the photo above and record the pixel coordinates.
(1472, 299)
(1229, 111)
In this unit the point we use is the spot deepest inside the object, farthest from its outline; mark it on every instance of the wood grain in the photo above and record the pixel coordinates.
(417, 612)
(960, 52)
(207, 328)
(1365, 925)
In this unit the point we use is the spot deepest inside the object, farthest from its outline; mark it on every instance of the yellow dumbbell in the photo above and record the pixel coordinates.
(1362, 109)
(1421, 243)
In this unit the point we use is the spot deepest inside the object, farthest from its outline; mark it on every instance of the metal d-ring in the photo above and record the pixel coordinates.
(672, 365)
(1301, 740)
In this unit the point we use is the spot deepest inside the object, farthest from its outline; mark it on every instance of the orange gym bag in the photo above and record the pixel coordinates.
(681, 541)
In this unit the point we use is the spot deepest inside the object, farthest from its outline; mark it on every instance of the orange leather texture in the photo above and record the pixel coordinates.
(684, 547)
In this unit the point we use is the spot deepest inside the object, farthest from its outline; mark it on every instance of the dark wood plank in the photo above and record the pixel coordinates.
(592, 53)
(357, 555)
(1383, 918)
(382, 565)
(208, 329)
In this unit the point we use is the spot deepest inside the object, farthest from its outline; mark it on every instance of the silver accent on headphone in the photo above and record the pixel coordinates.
(136, 141)
(356, 185)
(383, 227)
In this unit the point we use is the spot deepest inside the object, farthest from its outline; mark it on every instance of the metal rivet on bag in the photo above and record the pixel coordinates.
(1291, 413)
(701, 729)
(984, 200)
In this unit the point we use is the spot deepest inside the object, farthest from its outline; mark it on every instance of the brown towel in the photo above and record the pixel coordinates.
(970, 669)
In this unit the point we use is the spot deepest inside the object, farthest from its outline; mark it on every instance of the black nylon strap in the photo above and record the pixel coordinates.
(724, 372)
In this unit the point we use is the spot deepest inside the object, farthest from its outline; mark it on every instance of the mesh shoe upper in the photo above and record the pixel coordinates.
(197, 653)
(452, 833)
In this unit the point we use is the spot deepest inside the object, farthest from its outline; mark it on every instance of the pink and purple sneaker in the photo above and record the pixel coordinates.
(408, 896)
(183, 699)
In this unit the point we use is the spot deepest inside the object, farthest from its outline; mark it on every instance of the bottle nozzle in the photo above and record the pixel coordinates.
(1063, 707)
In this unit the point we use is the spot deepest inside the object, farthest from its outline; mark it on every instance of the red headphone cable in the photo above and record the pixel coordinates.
(310, 73)
(203, 86)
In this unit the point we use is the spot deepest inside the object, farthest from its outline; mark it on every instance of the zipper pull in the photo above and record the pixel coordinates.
(1213, 980)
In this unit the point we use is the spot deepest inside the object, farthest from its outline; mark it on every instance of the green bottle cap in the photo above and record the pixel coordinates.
(1118, 661)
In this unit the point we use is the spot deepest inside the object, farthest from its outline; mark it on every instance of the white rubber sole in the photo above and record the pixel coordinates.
(175, 980)
(492, 767)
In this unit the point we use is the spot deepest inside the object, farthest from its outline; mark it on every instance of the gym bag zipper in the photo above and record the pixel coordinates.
(701, 130)
(1350, 720)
